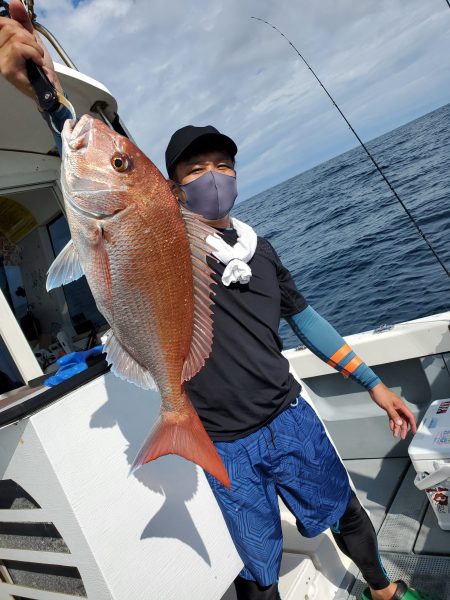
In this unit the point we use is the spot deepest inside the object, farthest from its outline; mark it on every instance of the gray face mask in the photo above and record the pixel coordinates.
(211, 195)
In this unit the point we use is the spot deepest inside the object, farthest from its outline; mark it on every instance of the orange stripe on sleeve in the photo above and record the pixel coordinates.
(339, 355)
(351, 366)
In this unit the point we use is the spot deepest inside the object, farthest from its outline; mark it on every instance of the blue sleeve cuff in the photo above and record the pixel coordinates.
(365, 376)
(326, 343)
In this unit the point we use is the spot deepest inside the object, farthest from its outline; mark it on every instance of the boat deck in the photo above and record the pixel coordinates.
(412, 545)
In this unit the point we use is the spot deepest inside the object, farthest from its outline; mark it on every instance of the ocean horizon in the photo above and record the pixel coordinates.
(348, 243)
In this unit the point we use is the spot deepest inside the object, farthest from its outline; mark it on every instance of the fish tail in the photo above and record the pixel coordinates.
(182, 434)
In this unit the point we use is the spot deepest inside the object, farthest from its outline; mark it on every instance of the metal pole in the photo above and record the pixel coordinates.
(56, 45)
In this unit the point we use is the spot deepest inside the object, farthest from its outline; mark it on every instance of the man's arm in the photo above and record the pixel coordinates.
(326, 343)
(19, 42)
(322, 339)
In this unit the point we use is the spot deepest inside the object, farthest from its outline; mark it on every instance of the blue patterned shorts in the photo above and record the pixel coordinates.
(293, 458)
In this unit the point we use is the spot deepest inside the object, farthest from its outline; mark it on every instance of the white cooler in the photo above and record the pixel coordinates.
(430, 455)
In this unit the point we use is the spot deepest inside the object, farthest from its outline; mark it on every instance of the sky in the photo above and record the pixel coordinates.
(171, 63)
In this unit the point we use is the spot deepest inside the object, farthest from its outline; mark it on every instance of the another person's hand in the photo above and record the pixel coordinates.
(19, 42)
(400, 417)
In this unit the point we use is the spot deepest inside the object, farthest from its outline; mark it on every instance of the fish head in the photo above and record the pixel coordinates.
(100, 168)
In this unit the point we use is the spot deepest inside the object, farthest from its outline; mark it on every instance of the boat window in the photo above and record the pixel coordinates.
(80, 302)
(33, 230)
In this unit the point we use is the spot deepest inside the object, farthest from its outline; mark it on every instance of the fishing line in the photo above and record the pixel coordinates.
(377, 166)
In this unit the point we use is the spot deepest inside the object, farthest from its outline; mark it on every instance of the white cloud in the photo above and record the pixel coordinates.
(170, 63)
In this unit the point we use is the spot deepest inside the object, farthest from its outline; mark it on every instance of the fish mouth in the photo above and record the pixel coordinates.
(75, 135)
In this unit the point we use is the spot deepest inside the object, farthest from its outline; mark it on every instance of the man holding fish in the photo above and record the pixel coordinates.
(194, 307)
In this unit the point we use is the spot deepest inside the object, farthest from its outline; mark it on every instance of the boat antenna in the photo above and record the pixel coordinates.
(377, 166)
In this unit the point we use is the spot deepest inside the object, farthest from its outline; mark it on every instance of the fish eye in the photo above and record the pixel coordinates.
(120, 162)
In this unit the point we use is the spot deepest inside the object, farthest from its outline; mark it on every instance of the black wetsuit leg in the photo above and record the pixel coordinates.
(357, 539)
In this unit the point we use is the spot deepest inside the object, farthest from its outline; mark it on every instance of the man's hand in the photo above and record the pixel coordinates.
(399, 414)
(19, 42)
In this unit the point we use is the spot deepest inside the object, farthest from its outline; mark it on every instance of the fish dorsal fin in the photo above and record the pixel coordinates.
(123, 365)
(65, 268)
(202, 335)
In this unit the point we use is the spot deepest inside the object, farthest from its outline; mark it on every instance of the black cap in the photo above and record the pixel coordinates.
(184, 137)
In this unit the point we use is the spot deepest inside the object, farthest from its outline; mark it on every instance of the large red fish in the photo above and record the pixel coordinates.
(144, 258)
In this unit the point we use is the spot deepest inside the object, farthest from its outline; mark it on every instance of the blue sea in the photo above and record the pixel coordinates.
(348, 243)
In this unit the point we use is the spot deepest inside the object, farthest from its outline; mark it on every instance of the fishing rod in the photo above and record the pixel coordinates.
(48, 97)
(377, 166)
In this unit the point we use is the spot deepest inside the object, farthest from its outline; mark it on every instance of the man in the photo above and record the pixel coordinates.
(269, 438)
(250, 404)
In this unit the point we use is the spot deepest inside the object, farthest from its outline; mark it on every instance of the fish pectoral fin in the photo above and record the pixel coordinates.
(182, 434)
(123, 365)
(65, 268)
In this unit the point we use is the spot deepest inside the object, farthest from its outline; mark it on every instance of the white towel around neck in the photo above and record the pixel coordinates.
(235, 257)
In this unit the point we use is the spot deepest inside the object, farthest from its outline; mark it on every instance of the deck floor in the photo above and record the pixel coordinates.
(412, 545)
